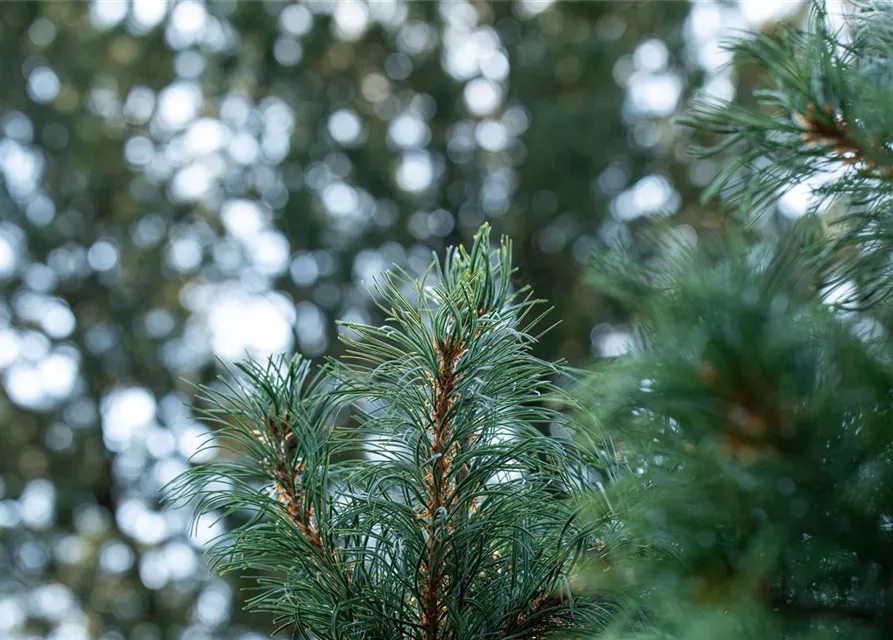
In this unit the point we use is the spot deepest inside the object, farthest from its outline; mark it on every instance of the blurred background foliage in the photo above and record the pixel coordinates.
(183, 183)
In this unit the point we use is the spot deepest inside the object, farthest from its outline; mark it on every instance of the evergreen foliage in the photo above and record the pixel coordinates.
(825, 121)
(753, 416)
(439, 508)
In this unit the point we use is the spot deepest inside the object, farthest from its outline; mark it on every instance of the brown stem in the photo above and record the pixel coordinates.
(288, 488)
(288, 480)
(439, 485)
(829, 129)
(539, 604)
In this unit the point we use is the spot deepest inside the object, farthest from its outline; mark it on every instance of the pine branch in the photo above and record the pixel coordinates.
(825, 107)
(755, 425)
(435, 512)
(825, 122)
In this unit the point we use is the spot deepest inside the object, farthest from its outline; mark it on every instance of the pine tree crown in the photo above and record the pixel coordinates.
(409, 491)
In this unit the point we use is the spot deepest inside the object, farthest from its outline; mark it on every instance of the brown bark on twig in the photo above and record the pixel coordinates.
(287, 477)
(827, 128)
(439, 485)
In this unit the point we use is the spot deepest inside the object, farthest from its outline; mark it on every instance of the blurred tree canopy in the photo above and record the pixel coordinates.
(188, 181)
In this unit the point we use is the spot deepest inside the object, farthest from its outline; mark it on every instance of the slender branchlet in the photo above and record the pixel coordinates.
(830, 131)
(287, 476)
(439, 483)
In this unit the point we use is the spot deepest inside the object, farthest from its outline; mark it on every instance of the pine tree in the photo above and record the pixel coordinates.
(409, 491)
(753, 416)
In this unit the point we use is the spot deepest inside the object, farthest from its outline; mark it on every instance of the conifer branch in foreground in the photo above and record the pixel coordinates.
(408, 492)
